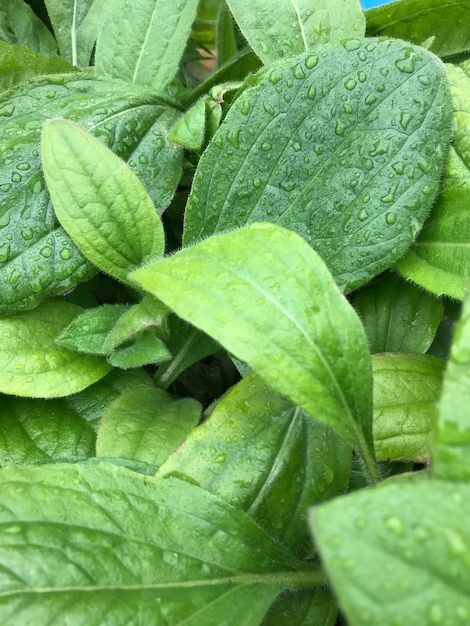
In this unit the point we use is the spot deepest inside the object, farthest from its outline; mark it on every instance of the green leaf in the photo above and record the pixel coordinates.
(130, 548)
(99, 201)
(146, 347)
(19, 63)
(88, 331)
(32, 365)
(279, 312)
(42, 431)
(420, 21)
(260, 452)
(146, 425)
(287, 27)
(399, 554)
(76, 24)
(451, 442)
(131, 46)
(225, 44)
(308, 607)
(406, 389)
(37, 257)
(398, 316)
(440, 258)
(19, 24)
(189, 130)
(204, 27)
(321, 160)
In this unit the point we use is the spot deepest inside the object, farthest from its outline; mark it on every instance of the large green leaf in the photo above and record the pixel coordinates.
(76, 24)
(146, 425)
(439, 260)
(19, 24)
(399, 554)
(280, 29)
(99, 201)
(262, 453)
(99, 544)
(424, 21)
(32, 365)
(451, 444)
(143, 43)
(281, 313)
(37, 257)
(345, 146)
(406, 389)
(19, 63)
(398, 316)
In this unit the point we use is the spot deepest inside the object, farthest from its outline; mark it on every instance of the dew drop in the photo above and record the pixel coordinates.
(27, 233)
(362, 55)
(370, 99)
(395, 524)
(257, 182)
(311, 61)
(350, 84)
(24, 166)
(312, 92)
(65, 254)
(362, 215)
(407, 64)
(246, 105)
(7, 111)
(14, 277)
(5, 187)
(340, 127)
(424, 80)
(390, 217)
(46, 252)
(16, 178)
(266, 146)
(298, 72)
(424, 165)
(287, 186)
(232, 137)
(398, 167)
(269, 108)
(4, 252)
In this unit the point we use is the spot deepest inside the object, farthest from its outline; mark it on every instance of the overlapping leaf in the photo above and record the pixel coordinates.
(343, 145)
(20, 25)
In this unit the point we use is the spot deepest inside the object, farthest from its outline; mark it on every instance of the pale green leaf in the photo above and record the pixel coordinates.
(345, 146)
(76, 24)
(88, 331)
(451, 442)
(398, 316)
(99, 201)
(260, 452)
(399, 554)
(406, 389)
(31, 363)
(281, 313)
(445, 25)
(19, 24)
(146, 425)
(189, 130)
(144, 348)
(281, 29)
(37, 257)
(107, 545)
(19, 63)
(143, 43)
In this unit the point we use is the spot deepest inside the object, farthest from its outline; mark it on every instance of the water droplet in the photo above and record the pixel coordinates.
(257, 182)
(298, 72)
(246, 105)
(352, 44)
(370, 99)
(14, 277)
(218, 142)
(269, 108)
(65, 254)
(424, 165)
(384, 71)
(350, 84)
(266, 146)
(340, 127)
(362, 215)
(27, 233)
(424, 80)
(46, 252)
(395, 524)
(287, 186)
(232, 136)
(16, 178)
(362, 55)
(5, 187)
(405, 119)
(311, 61)
(390, 217)
(4, 252)
(407, 64)
(7, 111)
(398, 167)
(24, 166)
(143, 159)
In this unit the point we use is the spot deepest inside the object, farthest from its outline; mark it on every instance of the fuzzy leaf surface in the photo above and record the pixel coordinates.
(398, 316)
(406, 389)
(20, 25)
(421, 21)
(33, 365)
(280, 313)
(99, 201)
(37, 257)
(146, 425)
(282, 29)
(143, 43)
(262, 453)
(376, 545)
(131, 548)
(344, 145)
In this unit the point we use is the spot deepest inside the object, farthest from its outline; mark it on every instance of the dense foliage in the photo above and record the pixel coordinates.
(234, 330)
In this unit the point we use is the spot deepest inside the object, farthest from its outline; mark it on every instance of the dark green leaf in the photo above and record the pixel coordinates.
(189, 130)
(399, 554)
(146, 425)
(345, 146)
(19, 24)
(309, 607)
(398, 316)
(146, 347)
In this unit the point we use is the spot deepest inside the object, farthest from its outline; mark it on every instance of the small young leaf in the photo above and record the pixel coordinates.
(76, 25)
(130, 548)
(20, 63)
(99, 201)
(423, 20)
(262, 453)
(308, 607)
(146, 425)
(31, 363)
(281, 313)
(398, 553)
(281, 29)
(398, 316)
(88, 331)
(19, 24)
(406, 389)
(189, 130)
(146, 347)
(451, 442)
(349, 156)
(143, 44)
